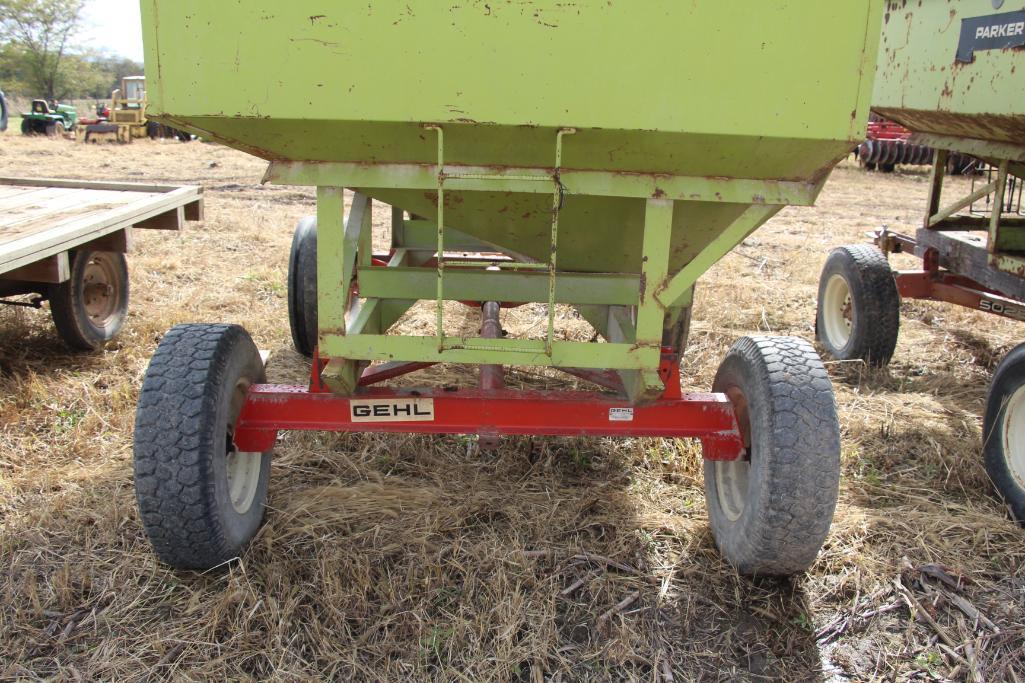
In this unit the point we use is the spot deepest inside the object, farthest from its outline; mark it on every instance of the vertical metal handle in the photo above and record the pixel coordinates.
(440, 310)
(558, 198)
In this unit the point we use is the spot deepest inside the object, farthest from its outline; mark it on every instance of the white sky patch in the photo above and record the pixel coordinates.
(112, 26)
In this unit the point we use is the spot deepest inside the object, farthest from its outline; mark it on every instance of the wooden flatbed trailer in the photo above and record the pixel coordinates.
(66, 240)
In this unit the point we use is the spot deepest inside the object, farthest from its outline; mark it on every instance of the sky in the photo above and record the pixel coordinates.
(112, 26)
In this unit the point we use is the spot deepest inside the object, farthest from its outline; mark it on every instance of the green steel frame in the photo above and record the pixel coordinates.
(1005, 235)
(636, 314)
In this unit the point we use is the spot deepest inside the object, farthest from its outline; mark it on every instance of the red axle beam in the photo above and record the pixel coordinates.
(272, 408)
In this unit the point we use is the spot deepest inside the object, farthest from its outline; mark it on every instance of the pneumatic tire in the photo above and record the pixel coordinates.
(858, 313)
(200, 500)
(770, 511)
(1003, 433)
(302, 287)
(90, 308)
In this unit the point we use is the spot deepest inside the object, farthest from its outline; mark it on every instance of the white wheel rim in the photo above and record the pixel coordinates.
(1013, 429)
(243, 468)
(243, 478)
(731, 480)
(837, 312)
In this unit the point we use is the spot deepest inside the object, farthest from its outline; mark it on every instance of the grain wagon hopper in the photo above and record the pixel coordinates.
(953, 73)
(595, 155)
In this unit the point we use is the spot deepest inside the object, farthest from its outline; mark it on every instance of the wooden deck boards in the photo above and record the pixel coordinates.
(40, 218)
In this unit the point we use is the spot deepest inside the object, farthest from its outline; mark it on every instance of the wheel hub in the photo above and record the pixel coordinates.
(242, 467)
(243, 470)
(837, 312)
(98, 294)
(731, 477)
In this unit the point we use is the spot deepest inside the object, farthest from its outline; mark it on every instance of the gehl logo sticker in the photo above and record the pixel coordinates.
(995, 32)
(392, 410)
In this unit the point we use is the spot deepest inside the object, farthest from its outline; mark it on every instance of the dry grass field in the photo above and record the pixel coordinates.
(407, 557)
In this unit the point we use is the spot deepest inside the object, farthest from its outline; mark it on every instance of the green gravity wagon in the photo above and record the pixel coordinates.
(590, 159)
(954, 73)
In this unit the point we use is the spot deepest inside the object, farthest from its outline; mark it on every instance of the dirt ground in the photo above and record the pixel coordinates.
(408, 557)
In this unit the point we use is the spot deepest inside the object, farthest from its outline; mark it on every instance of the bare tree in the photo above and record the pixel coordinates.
(42, 30)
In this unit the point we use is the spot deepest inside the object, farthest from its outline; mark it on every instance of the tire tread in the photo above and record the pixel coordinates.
(784, 535)
(174, 475)
(877, 299)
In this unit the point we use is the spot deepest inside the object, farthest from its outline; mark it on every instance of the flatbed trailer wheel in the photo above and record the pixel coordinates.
(200, 499)
(771, 510)
(90, 308)
(302, 286)
(859, 306)
(1004, 432)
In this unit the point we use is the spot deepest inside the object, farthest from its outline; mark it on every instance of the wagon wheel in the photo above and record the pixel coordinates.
(201, 500)
(1004, 432)
(859, 307)
(771, 510)
(302, 286)
(90, 308)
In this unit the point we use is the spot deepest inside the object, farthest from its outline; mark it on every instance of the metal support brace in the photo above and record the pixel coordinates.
(646, 384)
(950, 210)
(440, 309)
(534, 180)
(939, 174)
(338, 241)
(333, 252)
(998, 207)
(677, 291)
(558, 197)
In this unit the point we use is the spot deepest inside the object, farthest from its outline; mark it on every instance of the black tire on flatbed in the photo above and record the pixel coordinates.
(200, 500)
(870, 309)
(91, 307)
(1003, 433)
(302, 287)
(771, 510)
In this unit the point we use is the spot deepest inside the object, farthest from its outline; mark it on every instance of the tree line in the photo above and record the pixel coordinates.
(39, 58)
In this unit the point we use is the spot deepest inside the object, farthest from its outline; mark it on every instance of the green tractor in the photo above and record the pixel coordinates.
(43, 120)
